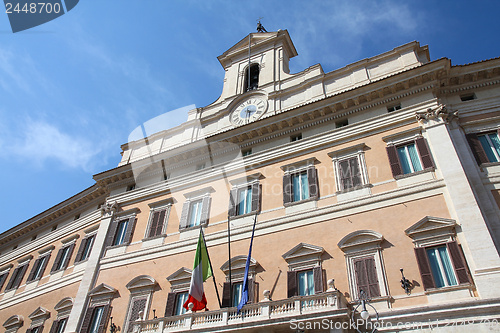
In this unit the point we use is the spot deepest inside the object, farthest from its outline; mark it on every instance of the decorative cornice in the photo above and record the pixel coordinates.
(441, 112)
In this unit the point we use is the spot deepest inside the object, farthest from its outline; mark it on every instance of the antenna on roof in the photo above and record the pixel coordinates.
(260, 27)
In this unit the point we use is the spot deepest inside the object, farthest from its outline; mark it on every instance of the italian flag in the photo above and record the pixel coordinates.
(201, 272)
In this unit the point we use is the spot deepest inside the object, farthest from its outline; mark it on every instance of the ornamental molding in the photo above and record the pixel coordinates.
(440, 113)
(109, 208)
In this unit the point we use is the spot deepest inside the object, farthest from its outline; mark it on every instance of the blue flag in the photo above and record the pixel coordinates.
(244, 293)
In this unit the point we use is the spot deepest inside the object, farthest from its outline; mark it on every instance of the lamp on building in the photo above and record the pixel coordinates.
(112, 327)
(154, 314)
(405, 283)
(363, 301)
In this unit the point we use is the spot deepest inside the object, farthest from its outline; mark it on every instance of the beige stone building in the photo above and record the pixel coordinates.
(389, 163)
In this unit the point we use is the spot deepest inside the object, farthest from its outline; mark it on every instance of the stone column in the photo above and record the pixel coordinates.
(91, 268)
(479, 248)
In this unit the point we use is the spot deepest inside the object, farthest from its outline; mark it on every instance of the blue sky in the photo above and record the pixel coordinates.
(72, 90)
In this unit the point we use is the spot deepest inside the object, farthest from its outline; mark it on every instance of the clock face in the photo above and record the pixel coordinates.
(249, 110)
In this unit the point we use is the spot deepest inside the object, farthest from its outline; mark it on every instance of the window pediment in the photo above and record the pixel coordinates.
(39, 313)
(303, 256)
(103, 290)
(141, 282)
(13, 322)
(360, 239)
(430, 228)
(64, 305)
(180, 279)
(238, 263)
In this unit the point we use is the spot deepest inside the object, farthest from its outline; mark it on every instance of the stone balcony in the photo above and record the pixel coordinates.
(266, 315)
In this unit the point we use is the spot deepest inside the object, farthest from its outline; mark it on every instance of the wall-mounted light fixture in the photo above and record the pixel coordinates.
(405, 283)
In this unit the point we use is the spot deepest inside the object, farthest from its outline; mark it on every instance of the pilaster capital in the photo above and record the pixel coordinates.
(109, 208)
(435, 116)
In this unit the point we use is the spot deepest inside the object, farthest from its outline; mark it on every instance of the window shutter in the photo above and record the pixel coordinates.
(53, 328)
(86, 320)
(44, 264)
(252, 287)
(12, 279)
(169, 309)
(226, 295)
(458, 262)
(477, 149)
(424, 152)
(205, 210)
(154, 224)
(373, 285)
(79, 254)
(58, 259)
(345, 177)
(184, 215)
(104, 320)
(233, 199)
(256, 189)
(111, 233)
(3, 277)
(29, 330)
(68, 257)
(41, 329)
(312, 178)
(19, 276)
(31, 277)
(355, 172)
(287, 189)
(392, 154)
(361, 276)
(292, 283)
(138, 306)
(425, 268)
(130, 230)
(318, 280)
(161, 222)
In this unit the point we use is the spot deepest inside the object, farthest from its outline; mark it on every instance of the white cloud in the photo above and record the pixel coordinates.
(39, 141)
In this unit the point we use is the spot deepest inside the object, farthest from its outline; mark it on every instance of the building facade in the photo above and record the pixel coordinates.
(389, 163)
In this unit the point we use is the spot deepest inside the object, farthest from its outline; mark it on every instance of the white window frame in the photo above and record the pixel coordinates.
(491, 145)
(338, 156)
(159, 206)
(440, 265)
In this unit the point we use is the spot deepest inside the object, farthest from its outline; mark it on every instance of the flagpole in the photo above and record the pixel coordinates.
(244, 297)
(211, 268)
(229, 254)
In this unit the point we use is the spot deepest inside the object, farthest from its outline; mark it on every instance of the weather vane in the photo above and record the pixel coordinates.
(260, 27)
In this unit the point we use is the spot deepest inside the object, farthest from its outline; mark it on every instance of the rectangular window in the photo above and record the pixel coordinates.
(300, 186)
(394, 108)
(408, 156)
(442, 270)
(121, 230)
(491, 146)
(306, 282)
(17, 277)
(296, 137)
(181, 298)
(350, 173)
(95, 322)
(237, 291)
(366, 276)
(60, 325)
(194, 217)
(37, 329)
(38, 268)
(62, 258)
(244, 201)
(158, 222)
(3, 278)
(246, 152)
(85, 248)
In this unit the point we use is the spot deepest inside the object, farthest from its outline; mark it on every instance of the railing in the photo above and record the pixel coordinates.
(264, 310)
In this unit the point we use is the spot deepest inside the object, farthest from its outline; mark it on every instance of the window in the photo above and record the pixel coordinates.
(158, 221)
(305, 275)
(251, 78)
(85, 248)
(232, 292)
(300, 183)
(246, 152)
(296, 137)
(3, 278)
(62, 258)
(38, 268)
(467, 97)
(195, 210)
(195, 213)
(17, 276)
(365, 271)
(37, 329)
(131, 187)
(341, 123)
(121, 230)
(439, 257)
(485, 147)
(350, 168)
(237, 291)
(244, 199)
(96, 319)
(366, 276)
(99, 309)
(200, 166)
(181, 298)
(394, 108)
(59, 325)
(441, 266)
(136, 311)
(141, 289)
(409, 157)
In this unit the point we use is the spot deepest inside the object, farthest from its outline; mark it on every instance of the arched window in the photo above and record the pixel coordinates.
(253, 82)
